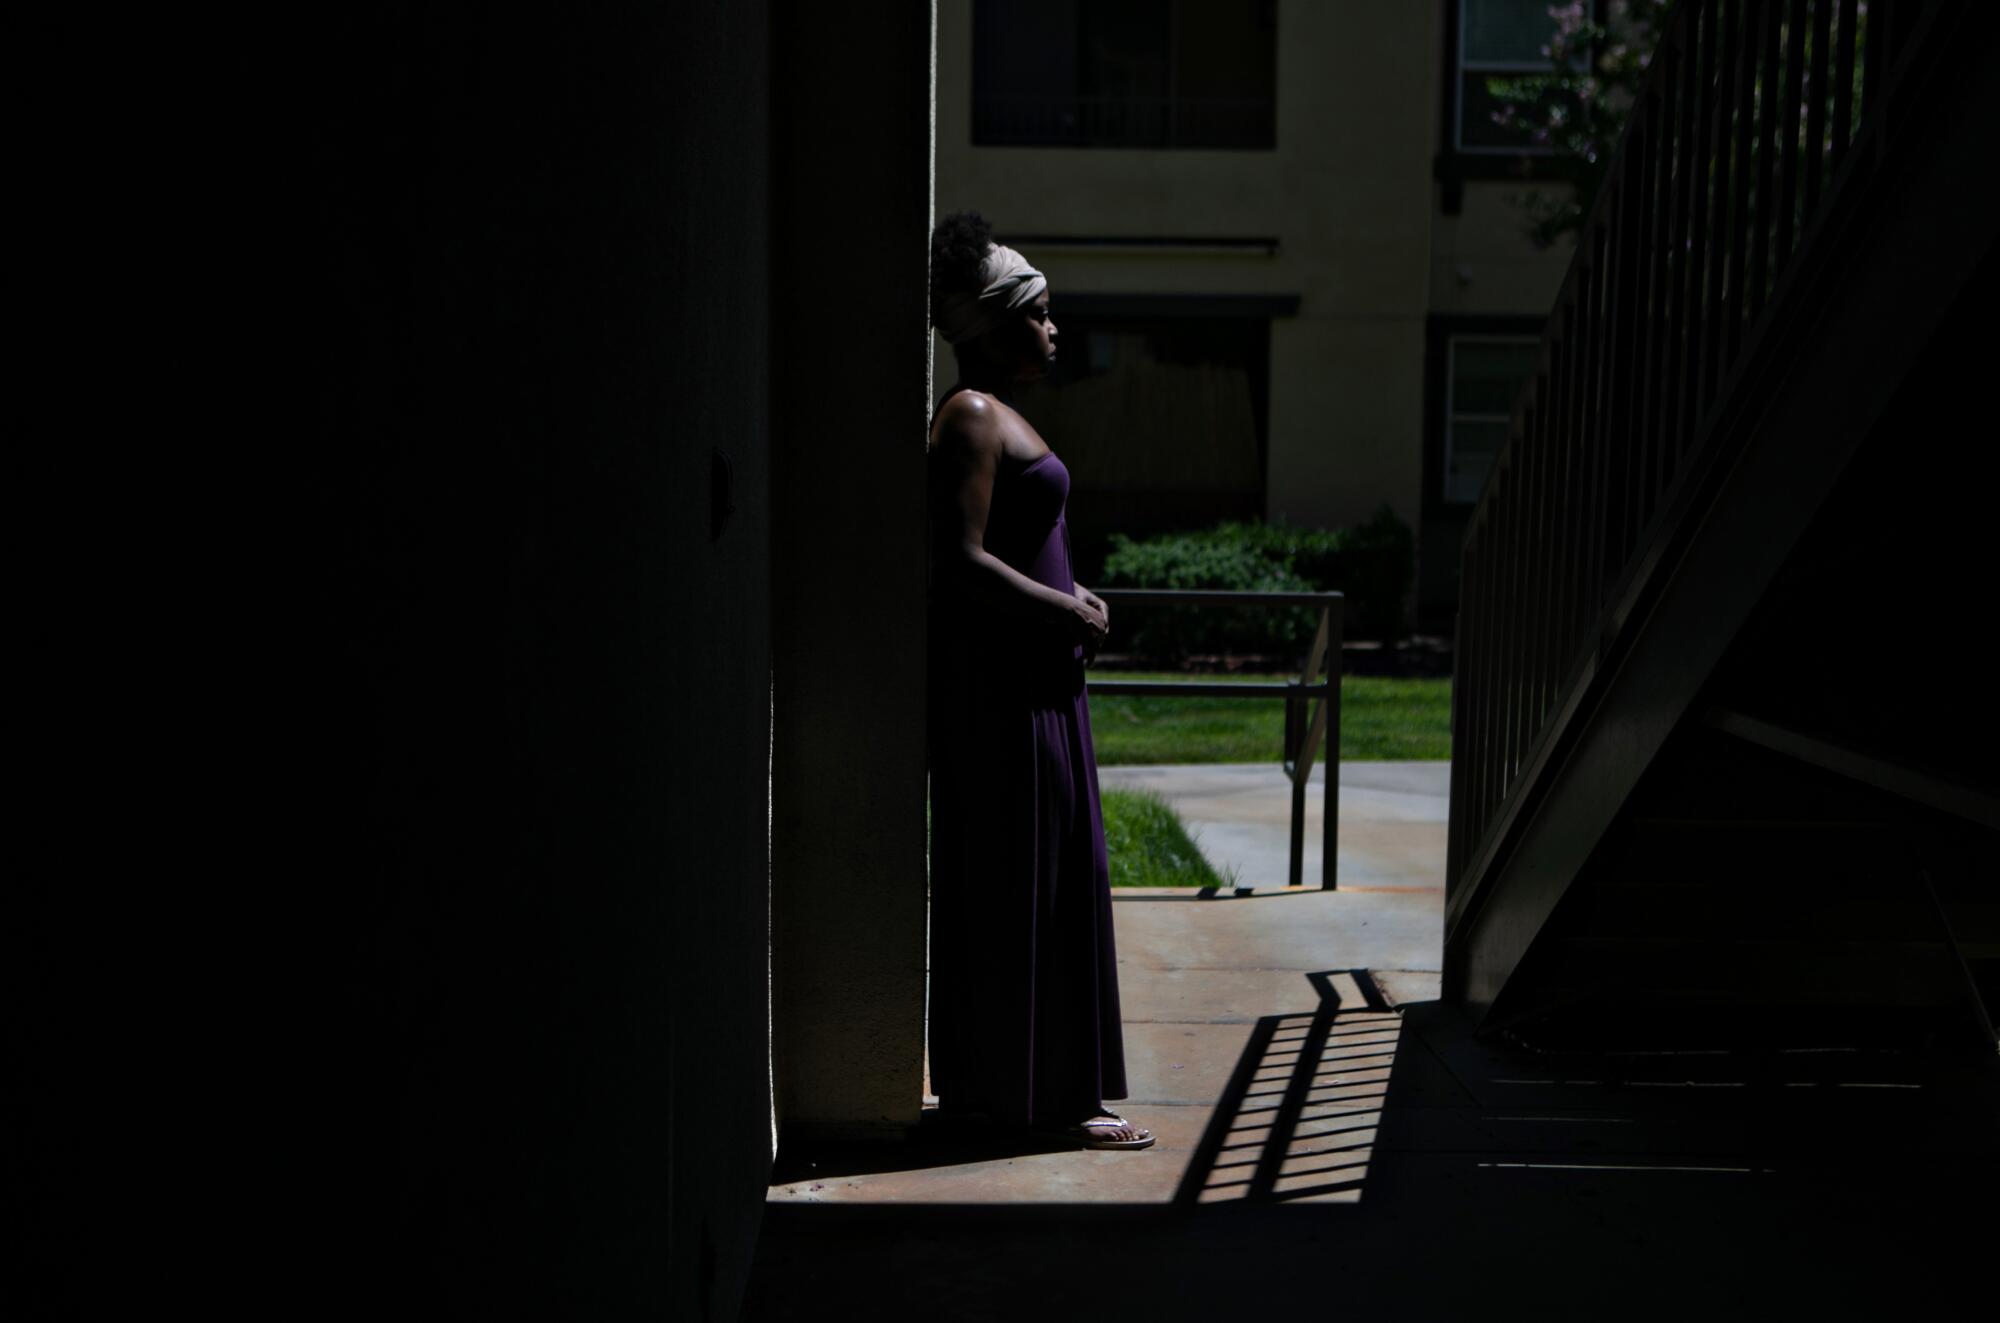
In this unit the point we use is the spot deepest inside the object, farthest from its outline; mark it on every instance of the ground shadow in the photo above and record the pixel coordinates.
(1478, 1178)
(932, 1142)
(1299, 1114)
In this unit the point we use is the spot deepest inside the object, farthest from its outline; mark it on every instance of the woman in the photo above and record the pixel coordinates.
(1024, 1018)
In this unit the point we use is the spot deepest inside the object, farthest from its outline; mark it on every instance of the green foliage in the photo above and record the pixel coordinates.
(1217, 559)
(1373, 564)
(1580, 112)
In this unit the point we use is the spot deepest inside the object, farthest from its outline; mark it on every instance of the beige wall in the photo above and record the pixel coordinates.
(847, 626)
(1480, 261)
(1349, 195)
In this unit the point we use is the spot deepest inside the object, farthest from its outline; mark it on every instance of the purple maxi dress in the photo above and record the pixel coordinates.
(1024, 1019)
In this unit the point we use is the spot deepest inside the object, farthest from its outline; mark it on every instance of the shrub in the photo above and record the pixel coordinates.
(1376, 565)
(1218, 560)
(1373, 564)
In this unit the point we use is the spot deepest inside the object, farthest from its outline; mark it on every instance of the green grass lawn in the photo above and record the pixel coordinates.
(1381, 719)
(1149, 846)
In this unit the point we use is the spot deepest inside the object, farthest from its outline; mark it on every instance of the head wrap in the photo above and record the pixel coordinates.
(1007, 282)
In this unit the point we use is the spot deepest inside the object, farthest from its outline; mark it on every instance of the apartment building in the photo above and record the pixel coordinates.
(1286, 275)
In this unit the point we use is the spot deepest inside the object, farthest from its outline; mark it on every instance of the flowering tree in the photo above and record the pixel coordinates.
(1580, 107)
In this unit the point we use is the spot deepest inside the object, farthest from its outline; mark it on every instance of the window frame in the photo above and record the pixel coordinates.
(1455, 164)
(1462, 66)
(1452, 416)
(1094, 310)
(1443, 331)
(986, 141)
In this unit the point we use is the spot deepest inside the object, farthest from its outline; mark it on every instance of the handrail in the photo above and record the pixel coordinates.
(1302, 737)
(1743, 159)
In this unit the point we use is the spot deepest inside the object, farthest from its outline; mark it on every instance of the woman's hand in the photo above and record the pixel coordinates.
(1094, 637)
(1086, 621)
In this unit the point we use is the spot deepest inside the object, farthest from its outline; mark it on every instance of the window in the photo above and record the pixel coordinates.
(1498, 38)
(1485, 374)
(1124, 73)
(1162, 404)
(1159, 405)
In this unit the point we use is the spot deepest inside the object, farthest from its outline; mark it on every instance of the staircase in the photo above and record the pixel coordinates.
(1714, 780)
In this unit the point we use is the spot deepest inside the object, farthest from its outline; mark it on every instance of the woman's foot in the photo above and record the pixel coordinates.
(1114, 1131)
(1102, 1129)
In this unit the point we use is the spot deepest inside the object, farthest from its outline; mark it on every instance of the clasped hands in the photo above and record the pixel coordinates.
(1092, 621)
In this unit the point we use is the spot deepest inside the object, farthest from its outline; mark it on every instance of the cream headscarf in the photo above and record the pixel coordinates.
(1007, 282)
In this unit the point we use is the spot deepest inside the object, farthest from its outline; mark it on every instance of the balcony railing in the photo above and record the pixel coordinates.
(1304, 735)
(1760, 125)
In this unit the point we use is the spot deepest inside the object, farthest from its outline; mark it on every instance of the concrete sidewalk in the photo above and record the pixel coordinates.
(1213, 986)
(1333, 1139)
(1392, 819)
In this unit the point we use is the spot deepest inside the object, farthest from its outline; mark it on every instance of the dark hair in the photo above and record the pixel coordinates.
(958, 247)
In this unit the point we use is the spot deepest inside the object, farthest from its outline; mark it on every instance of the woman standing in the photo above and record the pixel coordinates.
(1024, 1017)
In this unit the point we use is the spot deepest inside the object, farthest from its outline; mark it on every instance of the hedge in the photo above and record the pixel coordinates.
(1373, 564)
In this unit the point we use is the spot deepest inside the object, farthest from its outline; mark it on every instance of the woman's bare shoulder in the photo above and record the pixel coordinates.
(969, 423)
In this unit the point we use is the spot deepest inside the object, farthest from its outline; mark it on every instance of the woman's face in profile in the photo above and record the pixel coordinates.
(1032, 340)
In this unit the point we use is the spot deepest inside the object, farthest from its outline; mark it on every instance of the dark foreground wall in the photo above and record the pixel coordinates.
(545, 754)
(418, 964)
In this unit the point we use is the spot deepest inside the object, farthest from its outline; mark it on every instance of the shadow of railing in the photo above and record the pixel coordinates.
(1814, 1180)
(1299, 1114)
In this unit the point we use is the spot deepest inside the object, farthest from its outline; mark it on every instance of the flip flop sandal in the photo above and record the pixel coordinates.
(1082, 1133)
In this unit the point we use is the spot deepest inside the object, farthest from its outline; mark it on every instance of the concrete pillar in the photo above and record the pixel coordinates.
(850, 378)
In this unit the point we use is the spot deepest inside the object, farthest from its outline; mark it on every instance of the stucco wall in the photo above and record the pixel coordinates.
(1363, 240)
(1480, 261)
(1347, 194)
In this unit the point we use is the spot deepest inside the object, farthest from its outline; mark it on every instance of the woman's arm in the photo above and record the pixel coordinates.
(969, 441)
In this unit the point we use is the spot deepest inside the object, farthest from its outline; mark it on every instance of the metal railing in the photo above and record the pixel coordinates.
(1303, 734)
(1760, 124)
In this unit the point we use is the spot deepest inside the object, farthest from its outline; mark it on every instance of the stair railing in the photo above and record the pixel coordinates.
(1759, 124)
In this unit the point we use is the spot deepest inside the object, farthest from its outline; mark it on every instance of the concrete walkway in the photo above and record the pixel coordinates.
(1333, 1140)
(1392, 819)
(1205, 980)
